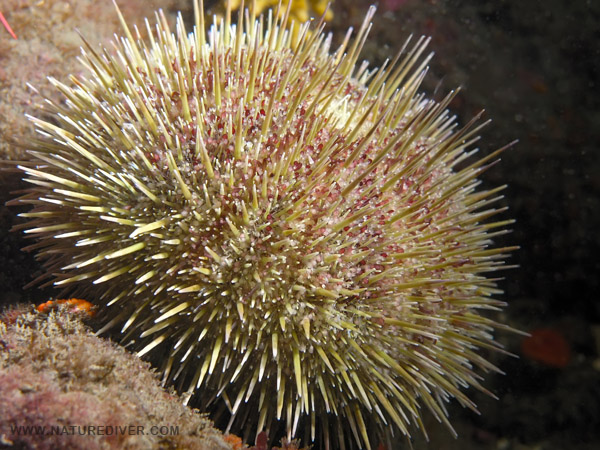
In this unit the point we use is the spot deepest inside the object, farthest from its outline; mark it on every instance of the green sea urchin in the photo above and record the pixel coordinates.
(288, 233)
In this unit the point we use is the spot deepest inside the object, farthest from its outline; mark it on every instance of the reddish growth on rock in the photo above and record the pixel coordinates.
(547, 346)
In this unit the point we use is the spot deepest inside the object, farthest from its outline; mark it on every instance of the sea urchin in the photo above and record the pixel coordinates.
(294, 238)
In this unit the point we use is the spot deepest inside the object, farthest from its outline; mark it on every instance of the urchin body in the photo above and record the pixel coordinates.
(285, 231)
